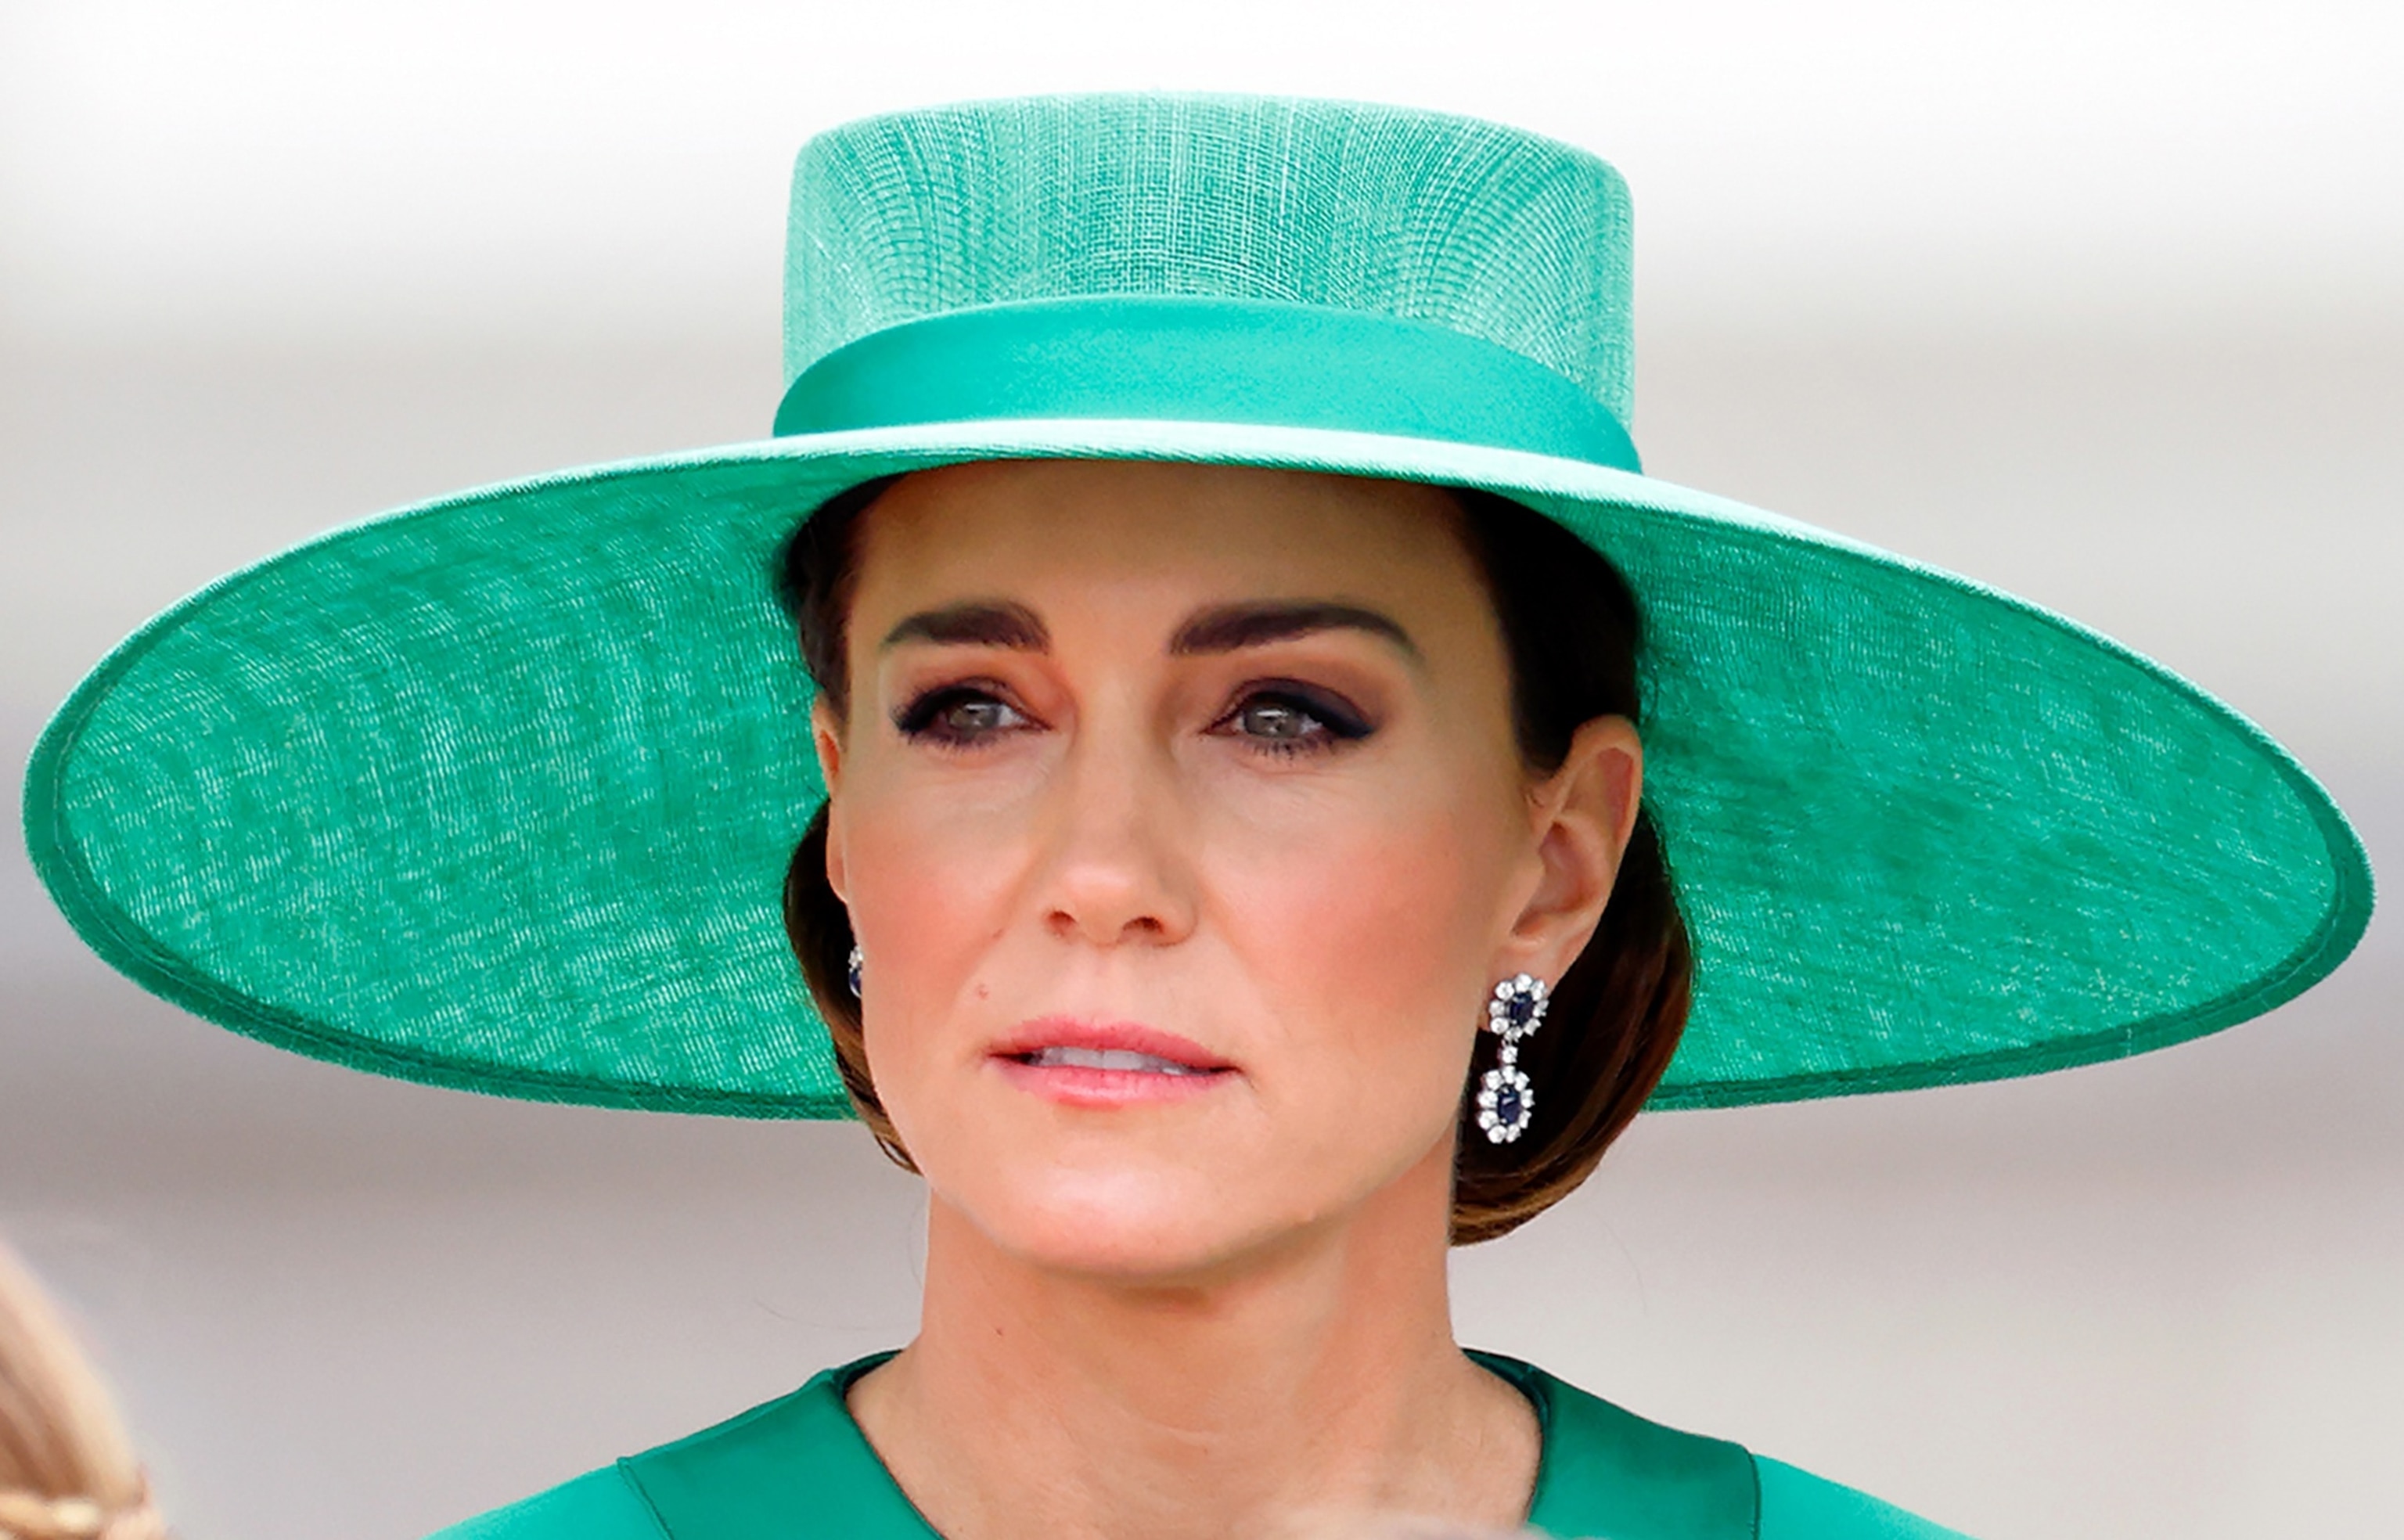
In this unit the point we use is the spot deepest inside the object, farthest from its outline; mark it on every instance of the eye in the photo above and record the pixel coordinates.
(1285, 717)
(960, 715)
(1280, 721)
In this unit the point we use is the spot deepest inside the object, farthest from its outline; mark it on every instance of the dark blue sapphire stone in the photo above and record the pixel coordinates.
(1519, 1010)
(1509, 1107)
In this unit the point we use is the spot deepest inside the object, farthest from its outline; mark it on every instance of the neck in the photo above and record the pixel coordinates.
(1317, 1378)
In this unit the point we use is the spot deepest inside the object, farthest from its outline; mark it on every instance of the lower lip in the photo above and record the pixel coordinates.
(1074, 1085)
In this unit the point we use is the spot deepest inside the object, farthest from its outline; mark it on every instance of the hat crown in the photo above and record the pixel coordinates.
(1487, 231)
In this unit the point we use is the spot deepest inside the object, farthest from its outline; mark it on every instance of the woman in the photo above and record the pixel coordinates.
(1264, 784)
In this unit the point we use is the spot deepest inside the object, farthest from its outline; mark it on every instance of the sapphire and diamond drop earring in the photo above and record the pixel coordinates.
(852, 973)
(1506, 1102)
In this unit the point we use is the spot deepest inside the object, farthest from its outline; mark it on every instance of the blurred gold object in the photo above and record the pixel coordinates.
(67, 1470)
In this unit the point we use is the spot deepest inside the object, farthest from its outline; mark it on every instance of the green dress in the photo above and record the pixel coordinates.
(799, 1469)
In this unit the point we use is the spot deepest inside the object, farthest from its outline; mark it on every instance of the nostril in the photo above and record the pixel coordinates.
(1066, 925)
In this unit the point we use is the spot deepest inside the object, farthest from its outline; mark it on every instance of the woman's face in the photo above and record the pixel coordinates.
(1181, 825)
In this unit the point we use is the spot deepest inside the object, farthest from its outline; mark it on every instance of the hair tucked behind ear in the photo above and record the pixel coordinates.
(815, 577)
(1573, 633)
(819, 928)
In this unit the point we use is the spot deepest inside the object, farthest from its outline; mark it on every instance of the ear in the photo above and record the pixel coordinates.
(826, 735)
(1583, 815)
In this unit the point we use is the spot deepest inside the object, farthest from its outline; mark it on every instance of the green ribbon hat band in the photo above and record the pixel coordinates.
(1202, 359)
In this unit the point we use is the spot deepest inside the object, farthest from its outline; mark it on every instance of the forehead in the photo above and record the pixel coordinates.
(1080, 528)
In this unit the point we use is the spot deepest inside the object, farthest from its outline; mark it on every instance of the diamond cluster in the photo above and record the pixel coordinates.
(1506, 1102)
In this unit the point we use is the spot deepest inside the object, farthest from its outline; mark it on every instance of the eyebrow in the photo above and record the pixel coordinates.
(1220, 628)
(1230, 627)
(975, 623)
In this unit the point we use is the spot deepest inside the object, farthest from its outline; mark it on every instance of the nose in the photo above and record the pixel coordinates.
(1114, 871)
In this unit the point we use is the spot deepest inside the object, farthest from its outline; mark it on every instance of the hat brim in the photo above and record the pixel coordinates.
(499, 791)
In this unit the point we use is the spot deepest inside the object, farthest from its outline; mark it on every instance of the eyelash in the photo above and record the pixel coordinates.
(1337, 722)
(921, 719)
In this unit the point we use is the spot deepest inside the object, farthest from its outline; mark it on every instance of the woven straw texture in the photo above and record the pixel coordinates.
(1486, 229)
(499, 791)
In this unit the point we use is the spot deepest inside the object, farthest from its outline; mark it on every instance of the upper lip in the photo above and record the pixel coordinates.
(1126, 1036)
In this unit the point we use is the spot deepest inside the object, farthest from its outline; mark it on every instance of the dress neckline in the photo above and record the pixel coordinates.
(800, 1466)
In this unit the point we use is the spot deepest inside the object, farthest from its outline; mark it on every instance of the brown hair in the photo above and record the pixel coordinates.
(66, 1470)
(1572, 631)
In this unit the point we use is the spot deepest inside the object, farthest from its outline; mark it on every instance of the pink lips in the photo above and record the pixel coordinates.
(1107, 1064)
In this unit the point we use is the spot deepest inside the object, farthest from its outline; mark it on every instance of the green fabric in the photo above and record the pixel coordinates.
(499, 791)
(1797, 1506)
(597, 1505)
(798, 1468)
(1206, 361)
(795, 1467)
(1483, 230)
(1605, 1472)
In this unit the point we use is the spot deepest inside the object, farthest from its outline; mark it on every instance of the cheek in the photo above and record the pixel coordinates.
(923, 883)
(933, 880)
(1368, 928)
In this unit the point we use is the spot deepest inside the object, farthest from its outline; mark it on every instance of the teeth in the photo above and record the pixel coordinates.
(1108, 1058)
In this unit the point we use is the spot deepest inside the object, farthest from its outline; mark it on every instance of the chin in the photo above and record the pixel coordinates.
(1125, 1226)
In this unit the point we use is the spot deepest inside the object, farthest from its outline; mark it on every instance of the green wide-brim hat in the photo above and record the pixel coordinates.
(499, 791)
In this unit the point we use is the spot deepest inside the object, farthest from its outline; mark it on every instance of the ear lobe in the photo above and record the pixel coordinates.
(826, 736)
(1586, 814)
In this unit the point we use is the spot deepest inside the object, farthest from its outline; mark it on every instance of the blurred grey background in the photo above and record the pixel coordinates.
(2099, 302)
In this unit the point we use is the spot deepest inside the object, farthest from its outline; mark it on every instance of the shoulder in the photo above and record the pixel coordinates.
(796, 1466)
(600, 1505)
(1797, 1506)
(1607, 1471)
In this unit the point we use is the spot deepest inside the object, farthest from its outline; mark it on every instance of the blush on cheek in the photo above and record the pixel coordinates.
(932, 876)
(926, 902)
(1377, 934)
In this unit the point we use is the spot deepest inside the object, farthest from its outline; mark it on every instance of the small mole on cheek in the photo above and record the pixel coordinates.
(984, 990)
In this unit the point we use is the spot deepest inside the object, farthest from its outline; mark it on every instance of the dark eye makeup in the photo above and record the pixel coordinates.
(1281, 717)
(1288, 717)
(958, 715)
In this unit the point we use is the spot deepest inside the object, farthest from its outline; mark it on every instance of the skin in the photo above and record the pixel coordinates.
(1203, 1305)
